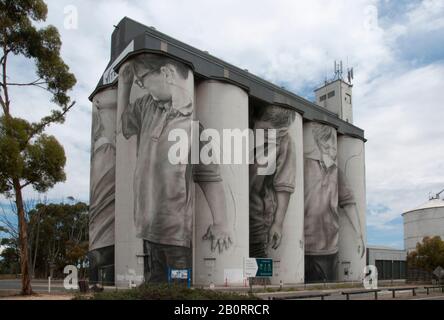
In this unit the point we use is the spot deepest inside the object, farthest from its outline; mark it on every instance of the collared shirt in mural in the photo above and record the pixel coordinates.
(162, 191)
(263, 188)
(101, 208)
(325, 188)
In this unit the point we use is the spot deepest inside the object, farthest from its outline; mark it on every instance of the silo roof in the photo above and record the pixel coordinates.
(432, 203)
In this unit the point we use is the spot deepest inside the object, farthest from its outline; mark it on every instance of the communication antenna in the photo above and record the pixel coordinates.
(437, 195)
(338, 70)
(350, 75)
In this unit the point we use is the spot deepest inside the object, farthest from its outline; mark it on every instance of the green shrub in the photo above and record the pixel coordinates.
(165, 292)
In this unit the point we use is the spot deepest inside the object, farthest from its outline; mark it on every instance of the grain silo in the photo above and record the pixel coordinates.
(425, 221)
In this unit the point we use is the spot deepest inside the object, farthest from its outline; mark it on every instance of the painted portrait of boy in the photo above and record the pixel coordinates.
(270, 193)
(163, 193)
(325, 190)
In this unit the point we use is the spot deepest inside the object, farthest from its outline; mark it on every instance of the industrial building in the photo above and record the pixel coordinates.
(390, 262)
(149, 214)
(426, 220)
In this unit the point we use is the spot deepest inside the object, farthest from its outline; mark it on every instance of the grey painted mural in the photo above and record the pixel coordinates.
(221, 106)
(326, 189)
(163, 192)
(351, 163)
(270, 194)
(102, 191)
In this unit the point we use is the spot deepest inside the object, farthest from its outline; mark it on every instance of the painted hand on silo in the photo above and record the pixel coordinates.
(361, 247)
(275, 235)
(220, 237)
(126, 76)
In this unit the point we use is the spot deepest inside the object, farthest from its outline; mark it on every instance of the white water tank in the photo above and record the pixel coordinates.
(424, 221)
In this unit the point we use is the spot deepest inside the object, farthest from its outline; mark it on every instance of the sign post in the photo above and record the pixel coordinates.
(257, 268)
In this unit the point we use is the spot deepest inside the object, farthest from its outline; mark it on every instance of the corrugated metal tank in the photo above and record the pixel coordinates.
(424, 221)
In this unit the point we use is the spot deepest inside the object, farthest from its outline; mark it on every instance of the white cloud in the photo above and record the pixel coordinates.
(428, 16)
(403, 120)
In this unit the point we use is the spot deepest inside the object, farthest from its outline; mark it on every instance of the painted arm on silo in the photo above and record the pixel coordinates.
(348, 203)
(129, 122)
(209, 179)
(284, 181)
(218, 232)
(275, 233)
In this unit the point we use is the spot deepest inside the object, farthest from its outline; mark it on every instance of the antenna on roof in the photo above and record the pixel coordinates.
(438, 194)
(350, 75)
(338, 70)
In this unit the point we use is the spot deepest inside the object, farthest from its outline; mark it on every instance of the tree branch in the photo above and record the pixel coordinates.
(5, 85)
(5, 53)
(33, 83)
(11, 227)
(25, 184)
(48, 121)
(2, 103)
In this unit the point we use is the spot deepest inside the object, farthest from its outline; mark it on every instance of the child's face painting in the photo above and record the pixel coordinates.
(156, 83)
(328, 147)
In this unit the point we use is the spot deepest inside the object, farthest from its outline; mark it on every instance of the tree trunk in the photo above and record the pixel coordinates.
(36, 245)
(23, 239)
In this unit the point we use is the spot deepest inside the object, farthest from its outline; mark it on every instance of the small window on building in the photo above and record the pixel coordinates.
(331, 94)
(348, 98)
(322, 98)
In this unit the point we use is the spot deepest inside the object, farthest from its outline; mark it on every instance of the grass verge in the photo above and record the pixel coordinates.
(165, 292)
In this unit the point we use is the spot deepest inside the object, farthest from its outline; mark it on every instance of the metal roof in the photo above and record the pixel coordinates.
(384, 248)
(131, 38)
(432, 203)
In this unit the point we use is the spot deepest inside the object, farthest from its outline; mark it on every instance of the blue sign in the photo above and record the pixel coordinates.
(179, 274)
(258, 267)
(264, 267)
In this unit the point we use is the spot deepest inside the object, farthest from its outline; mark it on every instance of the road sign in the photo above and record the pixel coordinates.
(179, 273)
(258, 267)
(250, 267)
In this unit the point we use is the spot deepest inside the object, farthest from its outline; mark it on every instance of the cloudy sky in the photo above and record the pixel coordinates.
(395, 47)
